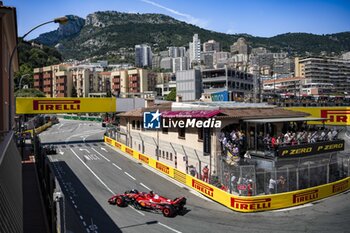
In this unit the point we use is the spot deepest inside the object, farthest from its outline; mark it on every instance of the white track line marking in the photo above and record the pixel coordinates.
(75, 206)
(98, 178)
(194, 192)
(101, 155)
(137, 210)
(81, 217)
(129, 175)
(169, 227)
(293, 208)
(84, 223)
(145, 186)
(116, 166)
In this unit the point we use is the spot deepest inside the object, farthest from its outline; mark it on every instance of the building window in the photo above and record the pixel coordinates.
(200, 134)
(182, 133)
(163, 154)
(165, 130)
(138, 125)
(167, 155)
(171, 156)
(133, 124)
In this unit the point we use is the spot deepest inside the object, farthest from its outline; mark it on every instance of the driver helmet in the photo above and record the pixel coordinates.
(151, 193)
(134, 191)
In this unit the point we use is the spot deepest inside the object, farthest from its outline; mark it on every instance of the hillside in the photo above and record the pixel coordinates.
(107, 33)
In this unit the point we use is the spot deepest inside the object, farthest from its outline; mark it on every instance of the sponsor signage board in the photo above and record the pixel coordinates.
(219, 96)
(64, 105)
(334, 115)
(310, 149)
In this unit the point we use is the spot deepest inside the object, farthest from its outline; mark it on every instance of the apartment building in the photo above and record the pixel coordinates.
(320, 72)
(291, 85)
(129, 82)
(211, 45)
(43, 80)
(11, 192)
(85, 79)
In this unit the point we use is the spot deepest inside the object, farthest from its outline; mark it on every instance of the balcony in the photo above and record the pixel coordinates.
(47, 83)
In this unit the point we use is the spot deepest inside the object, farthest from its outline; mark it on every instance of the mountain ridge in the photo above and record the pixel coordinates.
(103, 33)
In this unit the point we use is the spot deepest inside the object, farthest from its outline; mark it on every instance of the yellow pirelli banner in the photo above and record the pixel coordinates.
(240, 203)
(335, 115)
(64, 105)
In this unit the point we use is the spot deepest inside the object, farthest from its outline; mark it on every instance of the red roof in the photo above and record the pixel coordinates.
(190, 114)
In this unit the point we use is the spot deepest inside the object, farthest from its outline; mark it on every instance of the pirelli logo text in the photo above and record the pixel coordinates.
(56, 105)
(340, 186)
(118, 145)
(336, 115)
(256, 204)
(143, 158)
(129, 151)
(203, 188)
(108, 140)
(162, 167)
(305, 196)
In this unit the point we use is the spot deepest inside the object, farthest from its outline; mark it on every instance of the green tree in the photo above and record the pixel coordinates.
(172, 95)
(29, 93)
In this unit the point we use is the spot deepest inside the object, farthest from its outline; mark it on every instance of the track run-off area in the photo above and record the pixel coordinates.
(90, 172)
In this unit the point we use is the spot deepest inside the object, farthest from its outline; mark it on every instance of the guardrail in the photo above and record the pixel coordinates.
(81, 118)
(239, 203)
(39, 129)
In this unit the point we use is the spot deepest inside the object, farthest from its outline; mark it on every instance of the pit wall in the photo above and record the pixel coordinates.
(239, 203)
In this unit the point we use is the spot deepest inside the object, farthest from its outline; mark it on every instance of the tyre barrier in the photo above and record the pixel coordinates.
(234, 202)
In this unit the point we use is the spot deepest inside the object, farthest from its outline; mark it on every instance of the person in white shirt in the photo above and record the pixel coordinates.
(272, 185)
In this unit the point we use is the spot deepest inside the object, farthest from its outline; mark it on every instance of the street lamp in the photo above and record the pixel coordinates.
(20, 81)
(60, 20)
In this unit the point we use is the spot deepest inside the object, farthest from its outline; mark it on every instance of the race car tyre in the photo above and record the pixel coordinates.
(120, 201)
(168, 211)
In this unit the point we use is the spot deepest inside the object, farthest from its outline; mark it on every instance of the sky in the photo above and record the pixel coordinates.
(264, 18)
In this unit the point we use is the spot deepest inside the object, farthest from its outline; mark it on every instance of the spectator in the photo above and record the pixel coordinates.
(205, 173)
(272, 186)
(193, 171)
(233, 184)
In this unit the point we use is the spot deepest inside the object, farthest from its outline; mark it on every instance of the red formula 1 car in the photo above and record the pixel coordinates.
(149, 202)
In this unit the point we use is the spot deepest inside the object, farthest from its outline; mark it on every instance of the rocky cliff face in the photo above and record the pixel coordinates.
(71, 28)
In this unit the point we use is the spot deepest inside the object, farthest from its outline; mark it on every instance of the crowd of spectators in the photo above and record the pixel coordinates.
(296, 137)
(233, 141)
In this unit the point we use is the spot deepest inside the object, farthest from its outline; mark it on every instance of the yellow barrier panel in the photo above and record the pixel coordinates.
(240, 203)
(64, 105)
(39, 129)
(335, 115)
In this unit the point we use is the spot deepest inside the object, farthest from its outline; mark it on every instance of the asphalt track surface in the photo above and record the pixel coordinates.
(90, 173)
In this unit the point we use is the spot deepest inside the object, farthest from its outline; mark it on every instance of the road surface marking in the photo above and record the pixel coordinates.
(116, 166)
(130, 175)
(293, 208)
(71, 197)
(75, 206)
(73, 202)
(145, 186)
(160, 174)
(84, 223)
(81, 217)
(98, 178)
(172, 229)
(136, 210)
(85, 150)
(86, 157)
(103, 149)
(101, 155)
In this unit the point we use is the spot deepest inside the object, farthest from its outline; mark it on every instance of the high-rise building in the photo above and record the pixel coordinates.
(166, 63)
(143, 55)
(211, 45)
(85, 79)
(320, 71)
(195, 51)
(179, 63)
